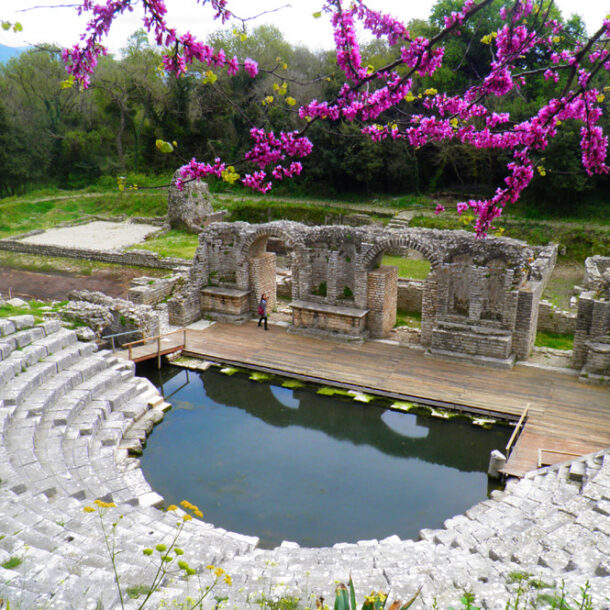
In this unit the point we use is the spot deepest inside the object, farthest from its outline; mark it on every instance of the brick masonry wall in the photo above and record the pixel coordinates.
(184, 309)
(382, 292)
(263, 280)
(551, 319)
(327, 321)
(233, 305)
(151, 294)
(409, 295)
(592, 322)
(471, 343)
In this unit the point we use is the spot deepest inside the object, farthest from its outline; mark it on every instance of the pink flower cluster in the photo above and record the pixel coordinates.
(81, 59)
(368, 93)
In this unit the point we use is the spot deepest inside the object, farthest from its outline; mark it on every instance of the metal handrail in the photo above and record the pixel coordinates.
(519, 423)
(128, 332)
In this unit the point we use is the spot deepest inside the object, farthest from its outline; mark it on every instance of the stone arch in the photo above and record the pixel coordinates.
(404, 241)
(264, 232)
(254, 244)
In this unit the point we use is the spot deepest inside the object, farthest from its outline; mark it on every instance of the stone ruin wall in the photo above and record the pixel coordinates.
(591, 351)
(480, 299)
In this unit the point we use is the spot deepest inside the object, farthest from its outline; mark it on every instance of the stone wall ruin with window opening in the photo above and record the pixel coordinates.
(471, 298)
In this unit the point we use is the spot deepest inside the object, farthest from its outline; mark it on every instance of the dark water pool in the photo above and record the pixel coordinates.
(283, 464)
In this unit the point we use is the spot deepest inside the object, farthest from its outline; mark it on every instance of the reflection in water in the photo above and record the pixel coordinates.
(285, 464)
(404, 424)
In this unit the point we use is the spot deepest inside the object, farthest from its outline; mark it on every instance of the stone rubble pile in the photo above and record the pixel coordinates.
(69, 415)
(107, 316)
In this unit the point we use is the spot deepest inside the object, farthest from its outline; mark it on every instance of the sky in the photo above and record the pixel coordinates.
(296, 21)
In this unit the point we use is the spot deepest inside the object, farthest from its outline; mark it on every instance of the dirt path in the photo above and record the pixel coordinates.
(55, 286)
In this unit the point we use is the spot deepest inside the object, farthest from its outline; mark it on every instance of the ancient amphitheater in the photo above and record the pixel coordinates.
(68, 413)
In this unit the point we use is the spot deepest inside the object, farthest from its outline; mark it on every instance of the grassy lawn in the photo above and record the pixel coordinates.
(34, 308)
(45, 208)
(412, 319)
(554, 340)
(173, 243)
(415, 269)
(22, 215)
(560, 288)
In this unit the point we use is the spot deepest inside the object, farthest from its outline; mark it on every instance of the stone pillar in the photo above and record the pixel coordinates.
(263, 280)
(475, 293)
(382, 293)
(332, 273)
(429, 307)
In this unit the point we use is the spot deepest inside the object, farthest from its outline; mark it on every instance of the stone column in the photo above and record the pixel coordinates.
(263, 280)
(382, 293)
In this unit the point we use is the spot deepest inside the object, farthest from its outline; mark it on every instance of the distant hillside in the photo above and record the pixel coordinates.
(7, 52)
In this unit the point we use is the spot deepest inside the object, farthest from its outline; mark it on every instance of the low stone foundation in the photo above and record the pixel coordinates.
(551, 319)
(328, 318)
(226, 304)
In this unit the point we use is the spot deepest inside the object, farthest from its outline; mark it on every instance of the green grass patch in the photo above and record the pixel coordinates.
(260, 377)
(560, 288)
(293, 384)
(412, 319)
(33, 308)
(20, 215)
(412, 268)
(577, 242)
(12, 563)
(554, 340)
(137, 591)
(178, 244)
(330, 391)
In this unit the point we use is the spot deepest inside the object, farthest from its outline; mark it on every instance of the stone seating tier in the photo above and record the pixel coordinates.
(66, 437)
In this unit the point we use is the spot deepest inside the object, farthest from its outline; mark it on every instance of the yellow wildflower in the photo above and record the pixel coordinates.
(431, 91)
(218, 572)
(228, 580)
(89, 509)
(172, 507)
(198, 513)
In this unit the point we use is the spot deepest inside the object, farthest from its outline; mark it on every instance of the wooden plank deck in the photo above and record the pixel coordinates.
(564, 415)
(139, 353)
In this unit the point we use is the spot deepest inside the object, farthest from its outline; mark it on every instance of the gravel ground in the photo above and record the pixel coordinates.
(98, 235)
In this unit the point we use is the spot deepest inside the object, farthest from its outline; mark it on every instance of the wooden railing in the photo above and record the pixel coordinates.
(159, 350)
(513, 436)
(567, 453)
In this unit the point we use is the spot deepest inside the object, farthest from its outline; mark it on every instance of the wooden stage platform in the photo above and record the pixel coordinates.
(565, 415)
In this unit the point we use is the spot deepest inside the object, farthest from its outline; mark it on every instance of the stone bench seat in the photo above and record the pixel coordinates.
(225, 303)
(330, 318)
(8, 326)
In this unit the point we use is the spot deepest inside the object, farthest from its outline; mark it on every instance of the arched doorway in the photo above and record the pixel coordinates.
(269, 250)
(397, 270)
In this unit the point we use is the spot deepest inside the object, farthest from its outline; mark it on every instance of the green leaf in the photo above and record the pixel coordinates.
(164, 147)
(317, 15)
(341, 598)
(18, 27)
(352, 593)
(6, 25)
